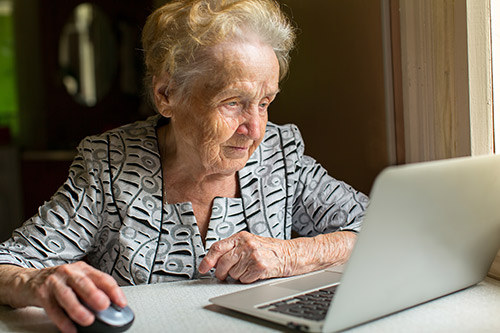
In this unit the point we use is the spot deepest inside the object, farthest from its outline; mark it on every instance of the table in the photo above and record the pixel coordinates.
(184, 307)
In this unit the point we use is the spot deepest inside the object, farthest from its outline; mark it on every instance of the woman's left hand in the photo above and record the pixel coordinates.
(248, 258)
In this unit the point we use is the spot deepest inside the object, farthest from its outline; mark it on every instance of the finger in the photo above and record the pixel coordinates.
(66, 299)
(88, 292)
(257, 262)
(249, 268)
(227, 262)
(76, 277)
(96, 288)
(205, 266)
(109, 286)
(59, 317)
(237, 270)
(250, 276)
(217, 250)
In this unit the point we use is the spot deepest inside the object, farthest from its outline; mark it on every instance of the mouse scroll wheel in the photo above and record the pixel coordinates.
(116, 307)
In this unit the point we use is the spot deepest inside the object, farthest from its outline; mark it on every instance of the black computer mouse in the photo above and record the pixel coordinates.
(113, 319)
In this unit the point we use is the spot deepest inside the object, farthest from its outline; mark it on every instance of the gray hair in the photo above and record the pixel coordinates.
(177, 36)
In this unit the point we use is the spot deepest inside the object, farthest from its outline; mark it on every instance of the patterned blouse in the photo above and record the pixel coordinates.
(111, 212)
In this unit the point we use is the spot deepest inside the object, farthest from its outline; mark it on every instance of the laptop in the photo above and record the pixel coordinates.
(431, 229)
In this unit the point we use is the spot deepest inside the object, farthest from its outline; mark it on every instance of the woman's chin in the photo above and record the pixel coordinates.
(231, 166)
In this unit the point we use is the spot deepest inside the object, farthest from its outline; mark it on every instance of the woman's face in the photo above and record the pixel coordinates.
(224, 119)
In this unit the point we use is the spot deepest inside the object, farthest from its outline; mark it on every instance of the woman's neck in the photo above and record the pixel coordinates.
(184, 177)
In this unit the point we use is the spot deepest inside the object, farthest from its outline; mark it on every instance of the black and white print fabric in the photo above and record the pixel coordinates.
(110, 211)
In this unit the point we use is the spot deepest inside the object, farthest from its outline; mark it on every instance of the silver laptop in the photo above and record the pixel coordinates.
(431, 229)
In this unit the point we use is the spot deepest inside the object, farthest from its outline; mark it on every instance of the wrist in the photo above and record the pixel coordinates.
(301, 255)
(313, 253)
(291, 259)
(14, 281)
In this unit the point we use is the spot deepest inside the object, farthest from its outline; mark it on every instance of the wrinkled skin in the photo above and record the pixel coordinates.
(211, 136)
(56, 290)
(219, 126)
(248, 258)
(216, 128)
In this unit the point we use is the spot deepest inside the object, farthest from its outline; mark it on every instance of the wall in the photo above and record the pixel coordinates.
(50, 119)
(334, 93)
(29, 74)
(335, 90)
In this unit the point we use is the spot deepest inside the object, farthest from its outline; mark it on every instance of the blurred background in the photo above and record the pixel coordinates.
(72, 68)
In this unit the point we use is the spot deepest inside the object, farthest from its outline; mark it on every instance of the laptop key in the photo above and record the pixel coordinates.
(312, 305)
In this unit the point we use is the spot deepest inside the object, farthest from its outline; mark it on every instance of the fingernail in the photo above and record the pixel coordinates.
(202, 268)
(120, 299)
(106, 301)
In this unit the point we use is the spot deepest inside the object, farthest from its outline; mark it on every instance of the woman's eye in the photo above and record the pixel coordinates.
(231, 104)
(264, 105)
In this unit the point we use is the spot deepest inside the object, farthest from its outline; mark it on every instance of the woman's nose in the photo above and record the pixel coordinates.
(250, 124)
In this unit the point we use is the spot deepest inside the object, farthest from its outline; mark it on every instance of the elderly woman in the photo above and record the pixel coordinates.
(206, 187)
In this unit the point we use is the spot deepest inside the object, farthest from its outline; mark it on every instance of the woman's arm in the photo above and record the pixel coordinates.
(313, 253)
(65, 228)
(51, 243)
(57, 289)
(248, 258)
(326, 212)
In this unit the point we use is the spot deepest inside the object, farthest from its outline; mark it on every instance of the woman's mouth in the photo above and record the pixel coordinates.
(237, 151)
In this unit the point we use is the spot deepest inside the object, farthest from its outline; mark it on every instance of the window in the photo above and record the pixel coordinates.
(451, 77)
(495, 51)
(8, 96)
(446, 78)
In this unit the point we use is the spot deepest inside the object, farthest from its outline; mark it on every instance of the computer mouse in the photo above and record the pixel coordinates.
(113, 319)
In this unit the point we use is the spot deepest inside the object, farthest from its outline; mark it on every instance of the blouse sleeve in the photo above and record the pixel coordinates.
(65, 227)
(321, 203)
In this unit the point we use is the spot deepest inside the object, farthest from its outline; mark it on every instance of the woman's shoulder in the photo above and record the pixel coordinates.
(138, 130)
(282, 135)
(270, 127)
(286, 130)
(282, 142)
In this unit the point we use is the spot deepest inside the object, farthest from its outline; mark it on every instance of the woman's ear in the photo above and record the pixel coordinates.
(161, 95)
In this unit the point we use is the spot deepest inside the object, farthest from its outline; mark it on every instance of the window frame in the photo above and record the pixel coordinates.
(447, 81)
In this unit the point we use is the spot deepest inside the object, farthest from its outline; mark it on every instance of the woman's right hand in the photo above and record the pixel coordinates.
(58, 289)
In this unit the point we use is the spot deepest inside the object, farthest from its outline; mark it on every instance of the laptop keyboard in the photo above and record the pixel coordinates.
(312, 305)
